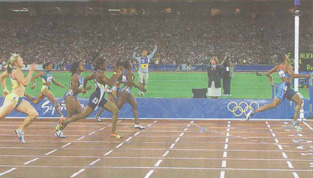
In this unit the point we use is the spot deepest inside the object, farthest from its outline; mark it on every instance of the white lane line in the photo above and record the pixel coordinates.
(75, 174)
(226, 146)
(224, 154)
(149, 125)
(280, 147)
(166, 153)
(109, 152)
(8, 171)
(223, 163)
(226, 140)
(66, 145)
(136, 133)
(92, 133)
(222, 175)
(284, 155)
(94, 162)
(33, 160)
(308, 125)
(290, 165)
(276, 140)
(119, 145)
(172, 146)
(80, 138)
(101, 129)
(149, 173)
(181, 134)
(51, 152)
(227, 134)
(300, 135)
(128, 139)
(295, 175)
(158, 163)
(177, 140)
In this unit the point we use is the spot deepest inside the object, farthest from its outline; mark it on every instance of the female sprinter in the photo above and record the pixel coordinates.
(47, 78)
(14, 100)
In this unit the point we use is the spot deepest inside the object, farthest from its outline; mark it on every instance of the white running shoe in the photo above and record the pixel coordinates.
(20, 134)
(250, 114)
(98, 119)
(60, 134)
(139, 127)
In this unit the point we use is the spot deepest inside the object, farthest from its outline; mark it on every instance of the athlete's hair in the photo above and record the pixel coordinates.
(99, 62)
(11, 62)
(127, 65)
(46, 65)
(281, 57)
(75, 67)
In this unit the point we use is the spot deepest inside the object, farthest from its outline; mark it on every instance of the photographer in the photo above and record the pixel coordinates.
(227, 73)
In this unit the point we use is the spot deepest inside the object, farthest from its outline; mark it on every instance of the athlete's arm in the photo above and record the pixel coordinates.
(18, 75)
(150, 56)
(293, 75)
(132, 83)
(103, 79)
(89, 77)
(40, 74)
(3, 76)
(134, 55)
(57, 83)
(268, 74)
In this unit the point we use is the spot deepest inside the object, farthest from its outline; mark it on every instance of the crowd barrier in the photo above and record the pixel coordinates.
(181, 109)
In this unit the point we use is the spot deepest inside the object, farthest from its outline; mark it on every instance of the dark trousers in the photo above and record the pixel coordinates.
(226, 84)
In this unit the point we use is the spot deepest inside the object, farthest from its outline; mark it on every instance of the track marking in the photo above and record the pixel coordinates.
(158, 163)
(308, 125)
(75, 174)
(94, 162)
(295, 175)
(119, 145)
(177, 140)
(225, 154)
(8, 171)
(109, 152)
(149, 173)
(66, 145)
(92, 133)
(222, 175)
(166, 153)
(137, 133)
(172, 146)
(33, 160)
(128, 139)
(51, 152)
(81, 138)
(290, 165)
(224, 163)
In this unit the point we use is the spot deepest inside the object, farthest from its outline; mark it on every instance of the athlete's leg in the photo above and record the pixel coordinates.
(272, 105)
(110, 106)
(27, 108)
(112, 99)
(51, 97)
(39, 97)
(132, 101)
(70, 104)
(296, 98)
(7, 107)
(122, 99)
(86, 112)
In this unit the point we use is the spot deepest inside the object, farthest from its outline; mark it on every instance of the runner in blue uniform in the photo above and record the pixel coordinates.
(47, 79)
(73, 105)
(97, 98)
(286, 74)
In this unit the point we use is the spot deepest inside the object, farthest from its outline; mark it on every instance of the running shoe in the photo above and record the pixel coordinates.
(250, 114)
(98, 119)
(59, 133)
(116, 135)
(20, 134)
(296, 126)
(137, 126)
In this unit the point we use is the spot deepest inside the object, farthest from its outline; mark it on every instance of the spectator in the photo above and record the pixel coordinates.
(214, 75)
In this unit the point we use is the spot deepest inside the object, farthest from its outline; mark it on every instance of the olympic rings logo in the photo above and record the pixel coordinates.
(241, 108)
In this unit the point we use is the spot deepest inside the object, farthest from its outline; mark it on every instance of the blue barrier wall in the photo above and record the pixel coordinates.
(182, 108)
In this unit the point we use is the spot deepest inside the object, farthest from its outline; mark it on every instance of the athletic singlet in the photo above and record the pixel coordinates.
(125, 79)
(79, 86)
(281, 72)
(99, 87)
(47, 77)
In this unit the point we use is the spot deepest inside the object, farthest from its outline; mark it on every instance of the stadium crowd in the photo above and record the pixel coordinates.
(63, 39)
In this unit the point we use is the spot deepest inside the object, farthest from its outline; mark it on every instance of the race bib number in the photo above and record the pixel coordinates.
(95, 100)
(144, 66)
(282, 74)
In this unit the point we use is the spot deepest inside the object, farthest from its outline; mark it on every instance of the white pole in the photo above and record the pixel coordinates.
(296, 66)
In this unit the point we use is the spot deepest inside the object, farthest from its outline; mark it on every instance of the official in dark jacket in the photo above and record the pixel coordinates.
(214, 75)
